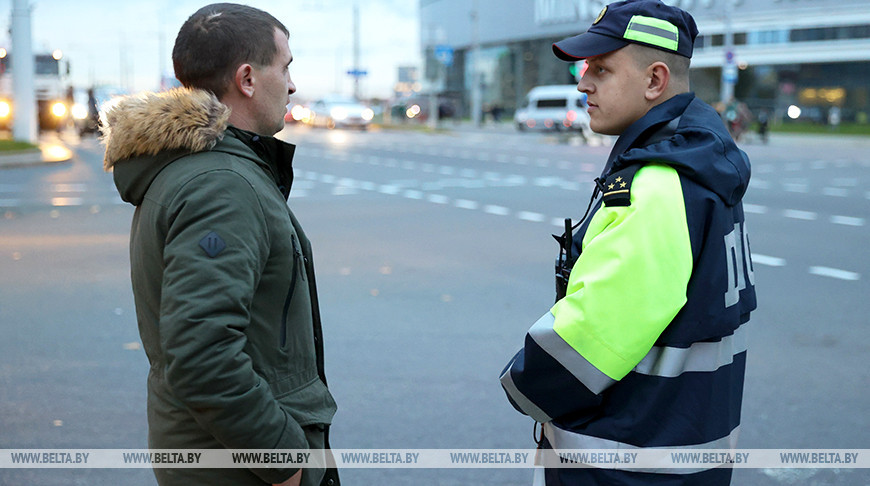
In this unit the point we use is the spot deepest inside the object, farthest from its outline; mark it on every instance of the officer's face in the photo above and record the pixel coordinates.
(615, 85)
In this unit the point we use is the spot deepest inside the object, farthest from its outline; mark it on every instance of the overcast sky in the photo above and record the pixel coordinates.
(128, 42)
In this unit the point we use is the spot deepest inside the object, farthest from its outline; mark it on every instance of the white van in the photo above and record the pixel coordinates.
(556, 107)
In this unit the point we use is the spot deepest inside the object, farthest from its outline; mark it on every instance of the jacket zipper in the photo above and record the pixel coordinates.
(297, 256)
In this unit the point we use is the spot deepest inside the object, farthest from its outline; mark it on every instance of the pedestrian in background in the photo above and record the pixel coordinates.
(645, 344)
(222, 272)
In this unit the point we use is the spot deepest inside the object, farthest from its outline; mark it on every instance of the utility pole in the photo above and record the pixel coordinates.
(24, 122)
(476, 95)
(356, 68)
(729, 63)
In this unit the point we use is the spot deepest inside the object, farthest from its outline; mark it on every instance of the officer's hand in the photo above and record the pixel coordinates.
(294, 480)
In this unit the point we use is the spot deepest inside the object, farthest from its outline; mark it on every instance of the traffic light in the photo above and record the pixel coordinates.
(577, 69)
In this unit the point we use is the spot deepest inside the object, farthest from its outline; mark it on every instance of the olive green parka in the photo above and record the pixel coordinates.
(223, 282)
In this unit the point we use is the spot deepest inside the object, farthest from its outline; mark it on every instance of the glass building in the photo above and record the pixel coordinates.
(814, 54)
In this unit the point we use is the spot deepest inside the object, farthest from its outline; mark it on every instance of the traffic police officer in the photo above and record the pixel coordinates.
(645, 345)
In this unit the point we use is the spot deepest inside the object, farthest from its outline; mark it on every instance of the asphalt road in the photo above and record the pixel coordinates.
(434, 256)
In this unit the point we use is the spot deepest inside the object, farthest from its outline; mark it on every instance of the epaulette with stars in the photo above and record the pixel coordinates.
(616, 187)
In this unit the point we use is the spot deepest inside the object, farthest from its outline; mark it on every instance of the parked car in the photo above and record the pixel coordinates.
(339, 112)
(556, 107)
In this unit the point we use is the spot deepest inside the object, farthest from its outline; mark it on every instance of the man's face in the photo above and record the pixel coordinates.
(615, 87)
(274, 88)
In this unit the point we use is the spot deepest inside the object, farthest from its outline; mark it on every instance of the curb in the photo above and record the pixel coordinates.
(47, 153)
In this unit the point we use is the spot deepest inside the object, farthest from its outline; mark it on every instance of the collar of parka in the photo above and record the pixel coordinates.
(146, 124)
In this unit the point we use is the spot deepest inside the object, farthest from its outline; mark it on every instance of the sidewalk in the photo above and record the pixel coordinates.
(51, 150)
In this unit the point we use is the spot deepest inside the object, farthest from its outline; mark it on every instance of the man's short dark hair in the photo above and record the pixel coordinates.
(217, 39)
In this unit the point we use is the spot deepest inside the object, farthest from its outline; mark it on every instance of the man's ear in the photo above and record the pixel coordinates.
(658, 79)
(244, 80)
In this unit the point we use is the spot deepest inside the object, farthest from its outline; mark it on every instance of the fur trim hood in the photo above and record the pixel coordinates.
(149, 123)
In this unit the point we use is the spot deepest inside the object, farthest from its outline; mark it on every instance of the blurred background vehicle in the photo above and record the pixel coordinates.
(555, 107)
(297, 113)
(49, 84)
(339, 112)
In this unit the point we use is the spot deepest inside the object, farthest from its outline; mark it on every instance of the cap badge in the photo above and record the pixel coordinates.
(600, 16)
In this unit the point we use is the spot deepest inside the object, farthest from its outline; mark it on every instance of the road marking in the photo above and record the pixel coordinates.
(68, 188)
(496, 210)
(754, 209)
(438, 199)
(759, 184)
(465, 204)
(847, 220)
(818, 164)
(796, 214)
(834, 273)
(767, 260)
(530, 216)
(66, 201)
(835, 191)
(389, 189)
(793, 166)
(796, 187)
(412, 194)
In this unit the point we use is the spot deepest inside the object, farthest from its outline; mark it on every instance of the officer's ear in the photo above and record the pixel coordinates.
(658, 77)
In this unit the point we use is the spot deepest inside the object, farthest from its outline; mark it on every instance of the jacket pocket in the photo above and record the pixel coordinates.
(298, 260)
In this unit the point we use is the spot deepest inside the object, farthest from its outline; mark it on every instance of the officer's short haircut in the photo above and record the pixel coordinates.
(678, 65)
(217, 39)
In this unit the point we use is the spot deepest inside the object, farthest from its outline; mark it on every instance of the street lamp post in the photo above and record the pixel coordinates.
(729, 63)
(24, 122)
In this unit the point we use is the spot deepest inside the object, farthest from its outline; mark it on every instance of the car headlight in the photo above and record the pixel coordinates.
(58, 109)
(368, 114)
(79, 111)
(413, 111)
(5, 109)
(338, 113)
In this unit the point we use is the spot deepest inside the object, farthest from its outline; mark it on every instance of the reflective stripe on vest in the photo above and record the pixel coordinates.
(670, 362)
(561, 439)
(663, 361)
(517, 396)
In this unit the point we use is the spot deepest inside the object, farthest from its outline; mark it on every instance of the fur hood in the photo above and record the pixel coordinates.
(149, 123)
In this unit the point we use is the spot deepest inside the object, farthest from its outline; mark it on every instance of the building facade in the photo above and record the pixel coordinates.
(814, 54)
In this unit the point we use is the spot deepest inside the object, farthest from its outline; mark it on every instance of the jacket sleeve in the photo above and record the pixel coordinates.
(205, 310)
(627, 286)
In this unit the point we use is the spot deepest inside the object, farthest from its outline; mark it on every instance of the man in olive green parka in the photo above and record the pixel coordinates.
(222, 272)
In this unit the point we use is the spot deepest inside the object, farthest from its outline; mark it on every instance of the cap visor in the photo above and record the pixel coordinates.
(585, 45)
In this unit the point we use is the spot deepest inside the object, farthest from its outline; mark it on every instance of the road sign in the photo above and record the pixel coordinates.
(357, 73)
(444, 54)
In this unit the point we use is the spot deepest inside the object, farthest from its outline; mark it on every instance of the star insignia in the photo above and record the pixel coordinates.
(619, 179)
(622, 184)
(611, 186)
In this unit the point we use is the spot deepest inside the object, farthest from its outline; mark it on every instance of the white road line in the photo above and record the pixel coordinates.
(438, 199)
(767, 260)
(66, 201)
(530, 216)
(496, 210)
(389, 189)
(796, 187)
(754, 209)
(847, 220)
(68, 188)
(796, 214)
(759, 184)
(466, 204)
(834, 273)
(835, 191)
(412, 194)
